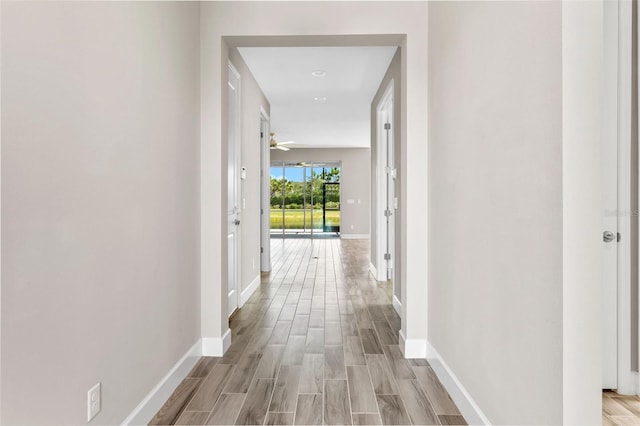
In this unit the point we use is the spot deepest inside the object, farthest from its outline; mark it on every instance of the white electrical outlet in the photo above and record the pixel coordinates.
(94, 401)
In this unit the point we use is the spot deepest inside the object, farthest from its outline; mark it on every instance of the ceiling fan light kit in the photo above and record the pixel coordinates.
(279, 145)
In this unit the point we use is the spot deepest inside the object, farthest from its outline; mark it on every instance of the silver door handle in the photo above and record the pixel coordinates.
(236, 222)
(608, 236)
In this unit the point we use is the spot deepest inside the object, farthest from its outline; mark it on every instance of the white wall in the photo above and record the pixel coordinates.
(251, 100)
(100, 204)
(582, 123)
(495, 204)
(316, 19)
(354, 182)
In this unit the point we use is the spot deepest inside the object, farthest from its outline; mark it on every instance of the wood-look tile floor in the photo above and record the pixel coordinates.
(620, 409)
(317, 343)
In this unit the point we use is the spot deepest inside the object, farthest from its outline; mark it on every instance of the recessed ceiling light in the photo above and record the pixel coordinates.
(319, 73)
(320, 98)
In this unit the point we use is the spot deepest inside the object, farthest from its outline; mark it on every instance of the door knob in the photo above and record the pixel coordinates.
(236, 222)
(608, 236)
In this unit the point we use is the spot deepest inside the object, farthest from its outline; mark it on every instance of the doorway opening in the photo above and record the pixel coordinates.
(305, 199)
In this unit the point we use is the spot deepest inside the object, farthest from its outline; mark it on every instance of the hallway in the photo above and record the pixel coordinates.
(316, 344)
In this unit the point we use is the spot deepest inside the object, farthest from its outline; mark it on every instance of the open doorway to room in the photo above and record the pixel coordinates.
(305, 199)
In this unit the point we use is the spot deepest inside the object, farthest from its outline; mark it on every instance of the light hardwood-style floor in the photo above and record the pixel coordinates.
(620, 409)
(317, 343)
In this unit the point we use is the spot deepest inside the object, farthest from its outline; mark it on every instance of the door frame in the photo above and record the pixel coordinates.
(234, 149)
(618, 27)
(265, 193)
(384, 242)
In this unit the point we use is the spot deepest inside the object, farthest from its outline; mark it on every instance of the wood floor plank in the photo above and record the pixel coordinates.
(312, 375)
(315, 341)
(285, 394)
(400, 367)
(270, 362)
(353, 352)
(437, 394)
(332, 333)
(363, 399)
(385, 333)
(174, 406)
(294, 351)
(392, 410)
(304, 306)
(203, 367)
(349, 326)
(366, 419)
(416, 403)
(242, 376)
(336, 403)
(381, 377)
(235, 351)
(334, 365)
(316, 318)
(309, 409)
(280, 333)
(254, 409)
(279, 419)
(226, 410)
(300, 325)
(193, 418)
(211, 388)
(370, 341)
(452, 420)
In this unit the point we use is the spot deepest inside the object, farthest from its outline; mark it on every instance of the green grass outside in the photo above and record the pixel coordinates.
(294, 219)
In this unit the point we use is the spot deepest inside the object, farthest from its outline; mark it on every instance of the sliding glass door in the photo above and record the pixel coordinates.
(305, 199)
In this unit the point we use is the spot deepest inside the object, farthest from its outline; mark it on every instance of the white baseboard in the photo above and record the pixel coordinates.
(248, 292)
(154, 400)
(463, 400)
(216, 346)
(413, 348)
(373, 270)
(354, 236)
(397, 305)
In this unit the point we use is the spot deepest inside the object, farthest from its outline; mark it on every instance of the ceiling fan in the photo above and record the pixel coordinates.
(279, 145)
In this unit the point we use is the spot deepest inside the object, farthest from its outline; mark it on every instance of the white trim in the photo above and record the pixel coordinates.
(397, 305)
(216, 346)
(154, 400)
(354, 236)
(462, 398)
(248, 292)
(413, 348)
(627, 384)
(373, 271)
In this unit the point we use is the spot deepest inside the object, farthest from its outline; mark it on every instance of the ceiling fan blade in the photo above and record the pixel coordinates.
(286, 143)
(283, 148)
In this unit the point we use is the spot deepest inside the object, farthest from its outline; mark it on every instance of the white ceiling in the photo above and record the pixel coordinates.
(353, 77)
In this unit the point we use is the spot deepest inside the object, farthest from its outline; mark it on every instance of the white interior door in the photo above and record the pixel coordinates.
(386, 176)
(233, 190)
(265, 193)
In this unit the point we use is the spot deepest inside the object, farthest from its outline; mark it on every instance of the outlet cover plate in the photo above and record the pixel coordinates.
(94, 401)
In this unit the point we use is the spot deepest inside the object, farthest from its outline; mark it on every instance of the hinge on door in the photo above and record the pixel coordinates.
(261, 135)
(261, 211)
(387, 126)
(387, 256)
(261, 250)
(387, 212)
(619, 237)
